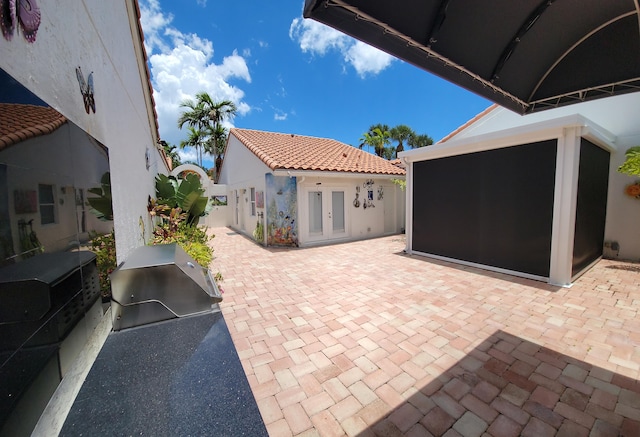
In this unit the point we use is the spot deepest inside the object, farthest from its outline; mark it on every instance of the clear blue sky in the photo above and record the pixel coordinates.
(287, 74)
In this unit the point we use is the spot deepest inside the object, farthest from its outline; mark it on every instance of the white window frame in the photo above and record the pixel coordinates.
(252, 197)
(51, 204)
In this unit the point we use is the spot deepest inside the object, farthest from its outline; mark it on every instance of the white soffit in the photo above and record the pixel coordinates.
(516, 136)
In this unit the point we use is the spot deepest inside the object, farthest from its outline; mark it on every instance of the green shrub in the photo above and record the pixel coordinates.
(192, 239)
(104, 246)
(186, 194)
(258, 232)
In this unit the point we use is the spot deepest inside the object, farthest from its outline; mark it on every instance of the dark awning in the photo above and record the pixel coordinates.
(526, 55)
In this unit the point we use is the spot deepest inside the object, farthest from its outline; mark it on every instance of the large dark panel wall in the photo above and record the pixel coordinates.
(591, 207)
(493, 208)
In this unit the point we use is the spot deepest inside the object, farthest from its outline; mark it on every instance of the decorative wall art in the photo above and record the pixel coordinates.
(25, 201)
(86, 89)
(368, 202)
(19, 14)
(356, 201)
(282, 210)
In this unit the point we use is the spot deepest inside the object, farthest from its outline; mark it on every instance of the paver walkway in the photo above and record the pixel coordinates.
(362, 339)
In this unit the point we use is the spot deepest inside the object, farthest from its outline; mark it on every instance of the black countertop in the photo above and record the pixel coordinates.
(181, 377)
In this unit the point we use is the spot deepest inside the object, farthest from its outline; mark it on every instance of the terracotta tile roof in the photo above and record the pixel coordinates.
(398, 163)
(296, 152)
(21, 122)
(468, 123)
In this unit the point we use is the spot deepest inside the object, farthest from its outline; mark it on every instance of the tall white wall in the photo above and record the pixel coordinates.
(100, 37)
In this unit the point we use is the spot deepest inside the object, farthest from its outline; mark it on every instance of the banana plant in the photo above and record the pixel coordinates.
(186, 194)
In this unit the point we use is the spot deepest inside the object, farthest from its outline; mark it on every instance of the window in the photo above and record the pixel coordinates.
(253, 201)
(47, 204)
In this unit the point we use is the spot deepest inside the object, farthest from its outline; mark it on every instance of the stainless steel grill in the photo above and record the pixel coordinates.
(158, 283)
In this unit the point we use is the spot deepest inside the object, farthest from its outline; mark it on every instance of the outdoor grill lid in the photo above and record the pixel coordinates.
(158, 283)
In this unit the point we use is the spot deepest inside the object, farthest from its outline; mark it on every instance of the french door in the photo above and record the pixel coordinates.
(326, 213)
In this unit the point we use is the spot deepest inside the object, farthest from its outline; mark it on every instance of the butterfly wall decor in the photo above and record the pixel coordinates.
(15, 14)
(86, 88)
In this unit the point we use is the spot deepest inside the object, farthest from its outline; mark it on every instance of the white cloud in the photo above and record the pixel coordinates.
(280, 116)
(366, 59)
(182, 65)
(188, 155)
(153, 21)
(317, 38)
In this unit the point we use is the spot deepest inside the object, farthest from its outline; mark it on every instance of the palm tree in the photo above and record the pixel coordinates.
(206, 116)
(375, 138)
(219, 142)
(401, 133)
(170, 151)
(195, 118)
(416, 141)
(195, 139)
(218, 113)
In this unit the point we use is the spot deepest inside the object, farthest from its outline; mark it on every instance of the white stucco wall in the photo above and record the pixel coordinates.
(384, 218)
(219, 215)
(241, 171)
(620, 115)
(99, 37)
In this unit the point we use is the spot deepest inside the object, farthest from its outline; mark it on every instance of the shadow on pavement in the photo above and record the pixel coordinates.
(508, 386)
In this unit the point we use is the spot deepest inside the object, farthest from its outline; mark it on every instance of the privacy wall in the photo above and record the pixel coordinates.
(591, 208)
(493, 207)
(530, 201)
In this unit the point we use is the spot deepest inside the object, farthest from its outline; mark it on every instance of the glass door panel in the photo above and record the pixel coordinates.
(337, 206)
(315, 212)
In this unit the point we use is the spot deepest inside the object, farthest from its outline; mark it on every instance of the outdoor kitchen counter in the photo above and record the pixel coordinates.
(174, 378)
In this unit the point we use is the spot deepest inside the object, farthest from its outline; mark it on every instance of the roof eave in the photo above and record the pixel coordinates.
(328, 173)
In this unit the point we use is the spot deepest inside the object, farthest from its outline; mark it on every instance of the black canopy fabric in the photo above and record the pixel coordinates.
(526, 55)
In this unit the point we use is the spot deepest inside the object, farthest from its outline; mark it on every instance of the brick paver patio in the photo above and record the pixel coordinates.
(362, 339)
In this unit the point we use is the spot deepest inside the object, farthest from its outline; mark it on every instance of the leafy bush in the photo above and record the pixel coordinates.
(186, 194)
(192, 239)
(631, 165)
(173, 228)
(102, 206)
(258, 232)
(104, 246)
